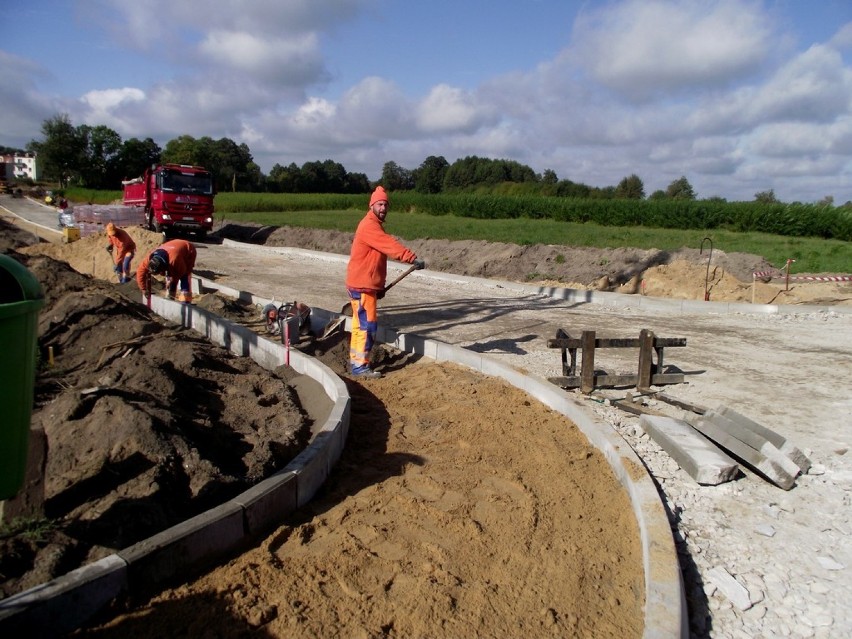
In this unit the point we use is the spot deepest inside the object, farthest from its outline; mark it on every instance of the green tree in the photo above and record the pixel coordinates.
(766, 197)
(183, 149)
(284, 179)
(61, 152)
(100, 167)
(357, 183)
(567, 188)
(659, 194)
(135, 156)
(429, 176)
(396, 178)
(630, 188)
(680, 189)
(549, 177)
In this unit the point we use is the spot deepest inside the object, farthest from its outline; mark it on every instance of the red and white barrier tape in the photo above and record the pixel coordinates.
(810, 278)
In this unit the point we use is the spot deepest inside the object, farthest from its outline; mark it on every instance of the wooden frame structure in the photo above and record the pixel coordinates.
(648, 372)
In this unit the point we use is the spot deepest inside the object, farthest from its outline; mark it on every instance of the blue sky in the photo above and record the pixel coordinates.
(739, 96)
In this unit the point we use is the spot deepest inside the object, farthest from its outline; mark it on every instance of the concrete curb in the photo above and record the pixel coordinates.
(55, 608)
(665, 604)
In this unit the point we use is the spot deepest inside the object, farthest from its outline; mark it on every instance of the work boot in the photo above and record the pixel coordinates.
(366, 373)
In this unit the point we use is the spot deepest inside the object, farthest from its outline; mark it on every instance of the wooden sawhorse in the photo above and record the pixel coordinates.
(649, 372)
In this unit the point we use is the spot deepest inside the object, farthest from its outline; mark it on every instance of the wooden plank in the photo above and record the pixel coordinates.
(636, 409)
(588, 366)
(680, 403)
(616, 342)
(600, 381)
(666, 378)
(646, 363)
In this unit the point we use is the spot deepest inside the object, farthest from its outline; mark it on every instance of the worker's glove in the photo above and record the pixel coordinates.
(420, 264)
(380, 294)
(109, 249)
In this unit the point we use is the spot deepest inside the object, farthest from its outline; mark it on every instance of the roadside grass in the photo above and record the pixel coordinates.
(811, 255)
(36, 529)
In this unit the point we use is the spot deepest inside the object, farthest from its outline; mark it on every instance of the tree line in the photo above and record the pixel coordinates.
(97, 158)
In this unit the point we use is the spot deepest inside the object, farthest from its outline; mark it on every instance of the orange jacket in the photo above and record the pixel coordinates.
(181, 262)
(123, 244)
(368, 259)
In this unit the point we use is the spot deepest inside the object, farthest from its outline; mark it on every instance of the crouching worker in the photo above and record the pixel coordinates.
(365, 279)
(122, 248)
(175, 260)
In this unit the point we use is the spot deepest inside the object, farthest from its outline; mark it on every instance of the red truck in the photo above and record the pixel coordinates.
(176, 198)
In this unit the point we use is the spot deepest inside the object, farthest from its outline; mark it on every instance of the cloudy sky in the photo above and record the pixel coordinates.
(739, 96)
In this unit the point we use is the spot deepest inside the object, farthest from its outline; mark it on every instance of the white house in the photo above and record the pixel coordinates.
(21, 166)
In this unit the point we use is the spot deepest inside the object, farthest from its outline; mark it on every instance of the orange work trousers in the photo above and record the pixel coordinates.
(364, 325)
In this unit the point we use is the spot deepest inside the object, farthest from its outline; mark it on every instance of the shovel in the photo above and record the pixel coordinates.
(347, 308)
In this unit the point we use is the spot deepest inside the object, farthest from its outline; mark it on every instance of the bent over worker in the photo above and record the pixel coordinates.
(365, 279)
(122, 248)
(175, 260)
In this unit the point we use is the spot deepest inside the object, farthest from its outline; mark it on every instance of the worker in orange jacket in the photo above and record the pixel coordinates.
(122, 248)
(365, 279)
(175, 260)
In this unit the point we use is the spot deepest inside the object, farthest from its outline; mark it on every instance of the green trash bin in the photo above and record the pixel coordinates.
(21, 297)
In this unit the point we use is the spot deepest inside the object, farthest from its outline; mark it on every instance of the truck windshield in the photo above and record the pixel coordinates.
(196, 183)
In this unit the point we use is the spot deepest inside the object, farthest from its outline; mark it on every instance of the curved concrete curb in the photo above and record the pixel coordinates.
(665, 601)
(63, 604)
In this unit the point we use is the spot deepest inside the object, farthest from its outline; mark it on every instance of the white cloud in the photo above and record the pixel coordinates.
(295, 60)
(642, 47)
(108, 99)
(448, 109)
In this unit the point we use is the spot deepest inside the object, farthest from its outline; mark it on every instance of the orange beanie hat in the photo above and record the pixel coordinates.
(379, 195)
(110, 229)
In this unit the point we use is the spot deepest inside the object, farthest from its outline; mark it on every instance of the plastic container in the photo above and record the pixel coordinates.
(21, 297)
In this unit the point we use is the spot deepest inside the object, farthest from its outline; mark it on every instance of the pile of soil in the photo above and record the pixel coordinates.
(146, 423)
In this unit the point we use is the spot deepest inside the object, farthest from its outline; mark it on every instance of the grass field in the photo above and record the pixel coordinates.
(812, 255)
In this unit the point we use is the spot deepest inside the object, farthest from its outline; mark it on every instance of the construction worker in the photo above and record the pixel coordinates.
(365, 279)
(175, 260)
(122, 248)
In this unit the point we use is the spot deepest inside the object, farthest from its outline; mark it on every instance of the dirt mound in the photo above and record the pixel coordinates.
(146, 423)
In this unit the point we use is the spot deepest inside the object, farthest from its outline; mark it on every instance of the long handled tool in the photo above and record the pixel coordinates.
(347, 308)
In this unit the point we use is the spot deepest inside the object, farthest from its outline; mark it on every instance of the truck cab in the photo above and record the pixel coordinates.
(177, 198)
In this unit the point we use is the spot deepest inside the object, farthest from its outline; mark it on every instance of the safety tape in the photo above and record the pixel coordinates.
(810, 278)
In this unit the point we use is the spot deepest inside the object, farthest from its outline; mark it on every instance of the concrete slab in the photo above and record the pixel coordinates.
(755, 440)
(778, 440)
(699, 457)
(752, 458)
